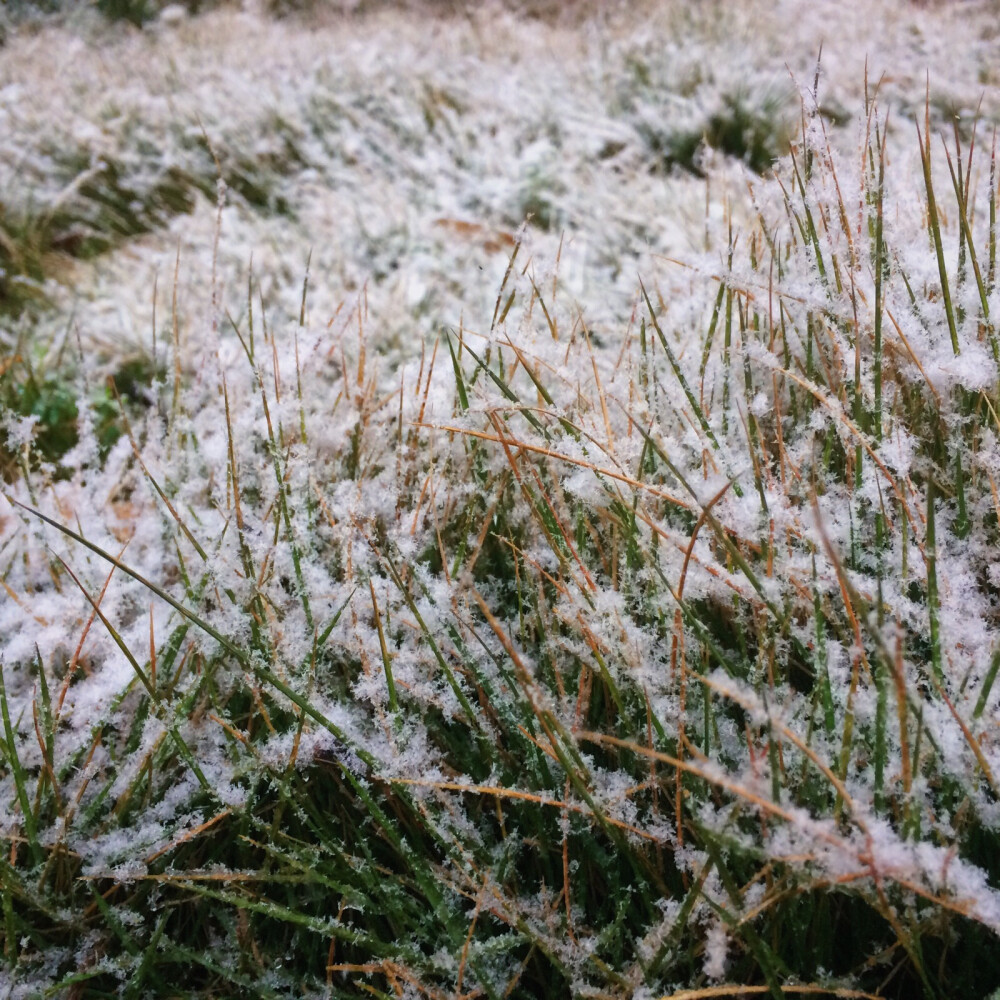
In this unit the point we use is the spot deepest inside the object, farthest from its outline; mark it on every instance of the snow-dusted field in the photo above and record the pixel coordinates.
(403, 151)
(511, 578)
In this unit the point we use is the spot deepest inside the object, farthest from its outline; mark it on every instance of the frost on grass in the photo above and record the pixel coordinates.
(545, 649)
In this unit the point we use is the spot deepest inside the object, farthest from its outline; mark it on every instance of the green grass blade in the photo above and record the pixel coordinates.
(20, 777)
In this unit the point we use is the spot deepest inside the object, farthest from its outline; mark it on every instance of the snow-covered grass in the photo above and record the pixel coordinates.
(600, 606)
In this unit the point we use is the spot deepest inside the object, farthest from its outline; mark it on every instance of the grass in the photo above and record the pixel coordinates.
(754, 134)
(530, 667)
(104, 201)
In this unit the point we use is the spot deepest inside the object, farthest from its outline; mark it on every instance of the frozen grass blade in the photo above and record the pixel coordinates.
(988, 681)
(822, 667)
(933, 600)
(386, 656)
(881, 268)
(968, 244)
(752, 428)
(463, 395)
(934, 225)
(13, 759)
(992, 268)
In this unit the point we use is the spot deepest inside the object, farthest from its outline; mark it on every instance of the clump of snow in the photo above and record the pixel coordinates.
(716, 951)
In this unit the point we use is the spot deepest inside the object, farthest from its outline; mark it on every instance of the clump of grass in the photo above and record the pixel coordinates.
(103, 203)
(533, 668)
(135, 12)
(86, 200)
(754, 132)
(57, 401)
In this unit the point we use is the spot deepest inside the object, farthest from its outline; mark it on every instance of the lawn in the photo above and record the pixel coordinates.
(499, 502)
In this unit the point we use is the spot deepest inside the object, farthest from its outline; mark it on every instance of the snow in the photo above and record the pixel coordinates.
(400, 156)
